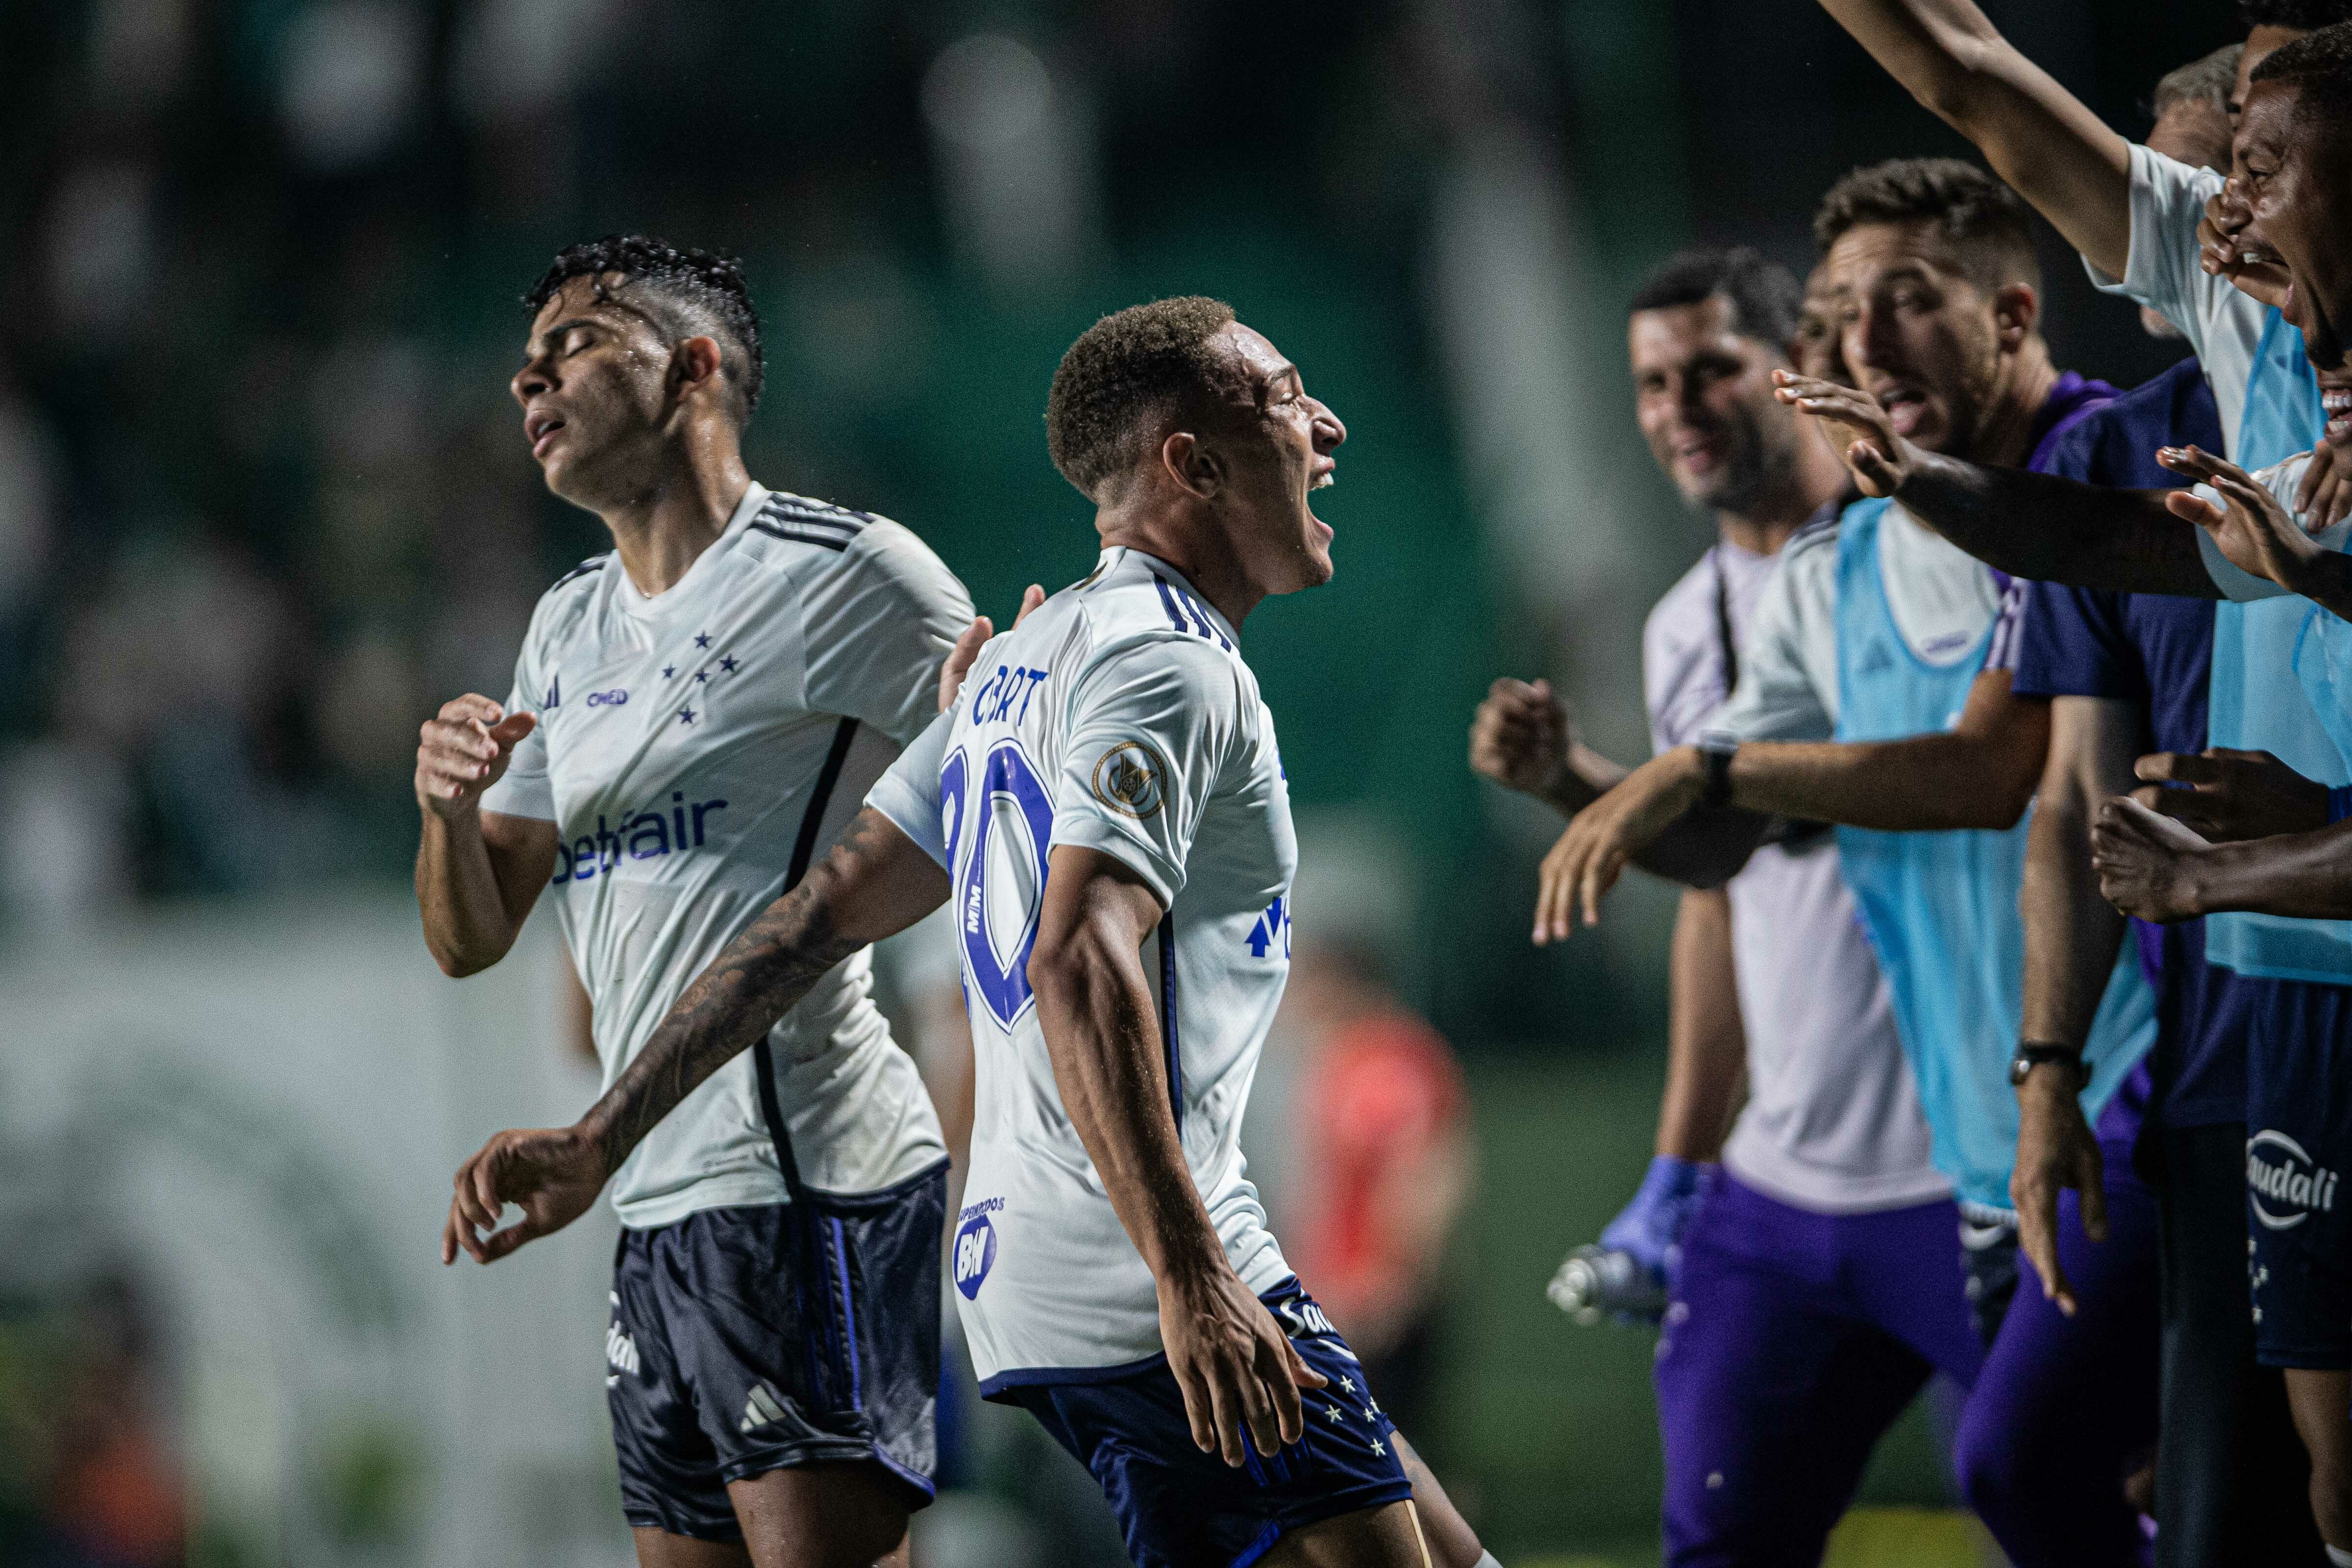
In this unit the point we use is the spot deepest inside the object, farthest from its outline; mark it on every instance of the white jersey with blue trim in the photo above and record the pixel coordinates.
(1119, 717)
(696, 749)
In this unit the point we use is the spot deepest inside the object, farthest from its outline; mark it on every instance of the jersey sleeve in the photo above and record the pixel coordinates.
(2236, 583)
(1152, 726)
(1791, 648)
(878, 621)
(908, 792)
(2168, 200)
(525, 789)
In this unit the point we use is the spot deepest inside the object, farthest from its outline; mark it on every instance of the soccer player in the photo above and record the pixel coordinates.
(1107, 783)
(1819, 1285)
(693, 716)
(1869, 696)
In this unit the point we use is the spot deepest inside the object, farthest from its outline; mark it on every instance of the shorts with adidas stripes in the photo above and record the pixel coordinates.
(750, 1339)
(1179, 1508)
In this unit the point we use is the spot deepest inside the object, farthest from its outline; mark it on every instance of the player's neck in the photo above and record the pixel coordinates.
(2005, 438)
(1814, 478)
(1203, 555)
(662, 529)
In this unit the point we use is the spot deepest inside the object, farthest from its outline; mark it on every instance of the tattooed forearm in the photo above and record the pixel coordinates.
(2052, 530)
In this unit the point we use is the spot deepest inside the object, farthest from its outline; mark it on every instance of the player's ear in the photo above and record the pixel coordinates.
(695, 362)
(1197, 470)
(2016, 310)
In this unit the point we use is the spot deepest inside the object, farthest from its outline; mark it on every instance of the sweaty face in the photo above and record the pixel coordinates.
(594, 390)
(1703, 396)
(1278, 451)
(1915, 332)
(2290, 183)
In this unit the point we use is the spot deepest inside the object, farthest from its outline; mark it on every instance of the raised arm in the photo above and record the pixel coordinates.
(2027, 524)
(875, 883)
(1103, 1033)
(2039, 137)
(478, 872)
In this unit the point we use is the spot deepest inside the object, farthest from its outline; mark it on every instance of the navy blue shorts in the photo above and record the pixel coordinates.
(2298, 1146)
(750, 1339)
(1179, 1508)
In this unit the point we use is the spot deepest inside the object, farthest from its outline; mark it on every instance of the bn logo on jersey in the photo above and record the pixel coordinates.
(2285, 1185)
(1129, 778)
(975, 1248)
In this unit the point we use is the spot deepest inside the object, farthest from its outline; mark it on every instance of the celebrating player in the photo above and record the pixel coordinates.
(1108, 779)
(1823, 1260)
(693, 715)
(1869, 696)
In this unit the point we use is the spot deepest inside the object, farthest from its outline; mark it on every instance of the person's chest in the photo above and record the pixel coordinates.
(2173, 640)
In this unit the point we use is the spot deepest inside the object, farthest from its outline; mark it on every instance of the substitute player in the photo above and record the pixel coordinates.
(1870, 696)
(1817, 1286)
(1105, 806)
(693, 714)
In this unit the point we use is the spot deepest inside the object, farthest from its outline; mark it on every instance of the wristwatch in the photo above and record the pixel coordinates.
(2032, 1054)
(1714, 752)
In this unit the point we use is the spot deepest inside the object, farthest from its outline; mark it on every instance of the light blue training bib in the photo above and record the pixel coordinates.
(2264, 697)
(1941, 908)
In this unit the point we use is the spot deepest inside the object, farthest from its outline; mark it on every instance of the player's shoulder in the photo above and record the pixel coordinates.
(804, 542)
(568, 603)
(1689, 607)
(1137, 611)
(2283, 477)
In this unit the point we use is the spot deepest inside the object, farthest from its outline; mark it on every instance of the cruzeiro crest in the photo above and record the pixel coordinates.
(1131, 778)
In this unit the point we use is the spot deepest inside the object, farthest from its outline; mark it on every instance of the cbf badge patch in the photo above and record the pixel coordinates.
(1131, 778)
(975, 1248)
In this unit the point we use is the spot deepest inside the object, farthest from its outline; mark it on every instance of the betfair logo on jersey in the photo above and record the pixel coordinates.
(643, 835)
(1129, 777)
(2285, 1185)
(975, 1247)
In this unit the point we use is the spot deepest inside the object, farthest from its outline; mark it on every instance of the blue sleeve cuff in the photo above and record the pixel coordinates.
(2340, 804)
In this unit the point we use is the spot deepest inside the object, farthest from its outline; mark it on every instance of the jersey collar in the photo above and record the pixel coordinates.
(635, 602)
(1110, 559)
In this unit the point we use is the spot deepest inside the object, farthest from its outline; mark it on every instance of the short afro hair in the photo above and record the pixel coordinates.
(1988, 227)
(1126, 377)
(2318, 66)
(686, 293)
(1765, 297)
(2303, 16)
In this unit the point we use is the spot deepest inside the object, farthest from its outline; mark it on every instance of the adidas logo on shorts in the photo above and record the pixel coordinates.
(762, 1409)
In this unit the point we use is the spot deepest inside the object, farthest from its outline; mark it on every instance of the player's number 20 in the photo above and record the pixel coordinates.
(980, 805)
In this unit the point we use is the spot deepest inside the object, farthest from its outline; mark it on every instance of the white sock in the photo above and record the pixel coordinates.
(2335, 1554)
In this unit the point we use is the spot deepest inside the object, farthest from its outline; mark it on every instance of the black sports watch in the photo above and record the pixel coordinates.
(1715, 753)
(2032, 1054)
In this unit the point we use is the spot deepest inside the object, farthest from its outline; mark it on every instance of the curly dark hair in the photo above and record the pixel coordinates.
(2319, 67)
(2306, 16)
(1126, 377)
(1988, 227)
(1765, 297)
(685, 293)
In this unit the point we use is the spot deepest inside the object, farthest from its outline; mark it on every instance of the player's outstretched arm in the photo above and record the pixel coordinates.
(875, 883)
(477, 873)
(2150, 867)
(2254, 531)
(2071, 937)
(2029, 525)
(1235, 1365)
(2039, 137)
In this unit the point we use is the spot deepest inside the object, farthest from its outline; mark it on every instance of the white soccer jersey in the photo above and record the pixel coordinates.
(698, 749)
(1118, 717)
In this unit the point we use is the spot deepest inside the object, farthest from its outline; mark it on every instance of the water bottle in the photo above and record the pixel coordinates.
(1596, 1281)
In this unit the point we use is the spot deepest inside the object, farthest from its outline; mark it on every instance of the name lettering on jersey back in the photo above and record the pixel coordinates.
(646, 835)
(993, 703)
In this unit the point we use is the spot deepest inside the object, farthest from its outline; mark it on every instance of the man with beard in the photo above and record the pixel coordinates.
(1869, 697)
(1817, 1286)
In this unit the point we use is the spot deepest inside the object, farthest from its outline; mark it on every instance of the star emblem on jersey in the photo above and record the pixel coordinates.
(668, 670)
(1346, 1386)
(1377, 1447)
(1331, 1413)
(702, 639)
(727, 664)
(686, 715)
(1128, 778)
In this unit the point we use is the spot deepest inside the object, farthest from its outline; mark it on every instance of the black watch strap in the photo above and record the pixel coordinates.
(1715, 753)
(2032, 1054)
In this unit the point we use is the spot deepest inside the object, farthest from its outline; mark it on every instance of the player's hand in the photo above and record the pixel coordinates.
(1650, 1228)
(1859, 429)
(2256, 274)
(2231, 794)
(2054, 1150)
(1233, 1364)
(1520, 737)
(2247, 524)
(974, 638)
(2324, 497)
(462, 750)
(553, 1174)
(2146, 864)
(1592, 854)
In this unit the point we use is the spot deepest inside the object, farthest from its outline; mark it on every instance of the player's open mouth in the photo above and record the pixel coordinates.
(540, 430)
(2338, 402)
(1327, 477)
(1906, 407)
